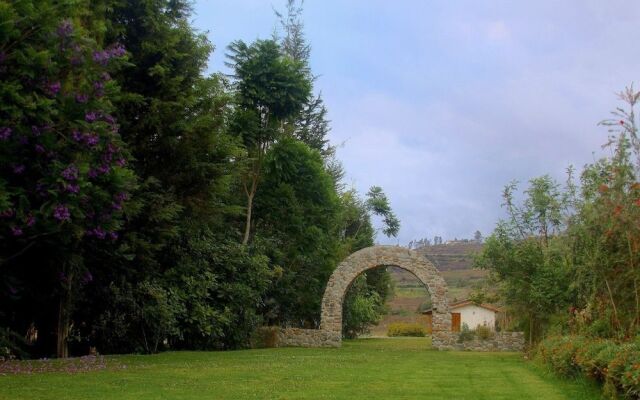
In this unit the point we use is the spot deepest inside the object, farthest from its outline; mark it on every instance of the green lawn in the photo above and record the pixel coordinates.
(362, 369)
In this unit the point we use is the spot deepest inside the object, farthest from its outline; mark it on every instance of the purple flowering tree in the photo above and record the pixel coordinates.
(64, 178)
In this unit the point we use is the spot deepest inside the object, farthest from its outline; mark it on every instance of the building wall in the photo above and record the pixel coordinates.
(473, 316)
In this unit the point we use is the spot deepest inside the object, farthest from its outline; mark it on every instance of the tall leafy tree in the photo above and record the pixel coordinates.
(271, 88)
(296, 225)
(605, 234)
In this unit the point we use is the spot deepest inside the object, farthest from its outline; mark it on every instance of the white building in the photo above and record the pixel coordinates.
(472, 314)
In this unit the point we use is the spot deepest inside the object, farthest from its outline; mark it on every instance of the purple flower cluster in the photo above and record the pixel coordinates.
(98, 232)
(31, 221)
(61, 213)
(65, 29)
(77, 135)
(101, 234)
(40, 149)
(90, 139)
(5, 133)
(121, 197)
(102, 57)
(16, 231)
(72, 188)
(18, 169)
(91, 116)
(53, 88)
(70, 173)
(101, 170)
(98, 87)
(108, 118)
(82, 98)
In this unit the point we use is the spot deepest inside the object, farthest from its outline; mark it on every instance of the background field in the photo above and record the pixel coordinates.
(402, 368)
(454, 261)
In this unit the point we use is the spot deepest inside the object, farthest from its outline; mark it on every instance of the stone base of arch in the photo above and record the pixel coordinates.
(294, 337)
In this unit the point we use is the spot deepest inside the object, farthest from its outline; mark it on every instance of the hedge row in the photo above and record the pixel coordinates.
(405, 329)
(615, 365)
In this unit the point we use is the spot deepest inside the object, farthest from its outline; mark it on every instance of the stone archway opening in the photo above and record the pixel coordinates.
(386, 256)
(407, 303)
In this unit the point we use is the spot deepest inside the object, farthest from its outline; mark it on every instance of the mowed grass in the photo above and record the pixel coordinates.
(402, 368)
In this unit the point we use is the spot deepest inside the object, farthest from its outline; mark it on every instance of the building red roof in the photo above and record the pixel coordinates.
(467, 302)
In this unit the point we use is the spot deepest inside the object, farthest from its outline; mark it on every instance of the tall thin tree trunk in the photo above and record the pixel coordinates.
(247, 226)
(613, 304)
(256, 169)
(62, 346)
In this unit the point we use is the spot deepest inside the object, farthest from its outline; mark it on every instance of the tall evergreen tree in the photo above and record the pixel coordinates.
(311, 124)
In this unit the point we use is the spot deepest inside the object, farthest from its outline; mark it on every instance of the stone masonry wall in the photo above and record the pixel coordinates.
(294, 337)
(501, 341)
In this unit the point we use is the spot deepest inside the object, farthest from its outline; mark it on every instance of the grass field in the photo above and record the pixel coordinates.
(361, 369)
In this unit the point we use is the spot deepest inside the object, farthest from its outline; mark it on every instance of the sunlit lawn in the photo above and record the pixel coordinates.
(363, 369)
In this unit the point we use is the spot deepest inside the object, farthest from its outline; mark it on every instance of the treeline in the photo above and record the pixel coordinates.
(145, 205)
(567, 260)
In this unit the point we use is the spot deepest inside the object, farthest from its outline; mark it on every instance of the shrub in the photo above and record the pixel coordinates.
(405, 329)
(466, 334)
(559, 353)
(617, 365)
(594, 357)
(484, 332)
(623, 372)
(11, 345)
(265, 336)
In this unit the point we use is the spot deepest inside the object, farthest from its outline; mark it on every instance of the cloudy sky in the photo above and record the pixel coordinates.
(442, 103)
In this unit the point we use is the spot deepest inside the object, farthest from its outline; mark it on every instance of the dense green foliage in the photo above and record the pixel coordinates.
(615, 366)
(145, 205)
(401, 368)
(568, 257)
(566, 262)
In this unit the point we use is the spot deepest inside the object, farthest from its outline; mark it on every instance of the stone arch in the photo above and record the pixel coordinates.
(379, 256)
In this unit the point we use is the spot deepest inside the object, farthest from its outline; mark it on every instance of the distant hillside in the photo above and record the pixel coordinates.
(451, 256)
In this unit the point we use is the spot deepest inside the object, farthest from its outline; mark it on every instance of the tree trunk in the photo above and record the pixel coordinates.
(62, 345)
(247, 227)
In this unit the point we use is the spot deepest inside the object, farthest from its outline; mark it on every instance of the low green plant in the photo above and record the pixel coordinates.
(12, 345)
(466, 334)
(406, 329)
(484, 332)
